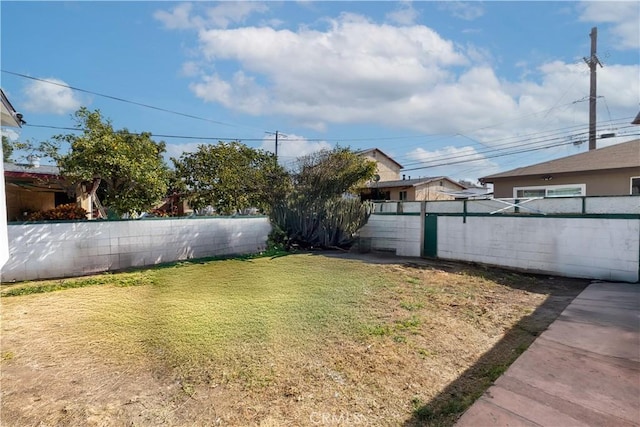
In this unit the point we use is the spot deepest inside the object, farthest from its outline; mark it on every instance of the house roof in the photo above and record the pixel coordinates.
(371, 150)
(16, 170)
(9, 116)
(411, 182)
(619, 156)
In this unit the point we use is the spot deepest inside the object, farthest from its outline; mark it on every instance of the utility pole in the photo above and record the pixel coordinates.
(592, 62)
(277, 134)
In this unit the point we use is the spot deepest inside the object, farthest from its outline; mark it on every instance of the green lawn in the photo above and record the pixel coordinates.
(296, 336)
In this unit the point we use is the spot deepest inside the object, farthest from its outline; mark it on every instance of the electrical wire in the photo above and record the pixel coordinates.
(491, 147)
(567, 131)
(491, 156)
(513, 144)
(116, 98)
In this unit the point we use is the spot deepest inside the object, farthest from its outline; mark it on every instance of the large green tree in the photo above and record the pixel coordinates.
(126, 169)
(322, 209)
(229, 177)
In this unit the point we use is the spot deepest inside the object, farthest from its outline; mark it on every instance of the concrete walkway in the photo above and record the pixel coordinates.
(584, 370)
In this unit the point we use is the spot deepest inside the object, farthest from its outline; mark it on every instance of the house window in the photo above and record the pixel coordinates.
(568, 190)
(403, 195)
(635, 185)
(530, 192)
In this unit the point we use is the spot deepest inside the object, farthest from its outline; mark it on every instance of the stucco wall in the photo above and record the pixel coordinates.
(599, 183)
(433, 190)
(47, 250)
(388, 170)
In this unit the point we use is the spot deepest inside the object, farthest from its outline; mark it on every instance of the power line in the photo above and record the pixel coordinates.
(530, 139)
(390, 138)
(553, 145)
(514, 143)
(116, 98)
(152, 134)
(498, 152)
(519, 138)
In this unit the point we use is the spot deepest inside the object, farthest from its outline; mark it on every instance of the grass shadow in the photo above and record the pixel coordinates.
(445, 408)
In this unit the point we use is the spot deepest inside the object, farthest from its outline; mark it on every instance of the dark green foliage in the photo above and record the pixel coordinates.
(318, 210)
(323, 225)
(229, 177)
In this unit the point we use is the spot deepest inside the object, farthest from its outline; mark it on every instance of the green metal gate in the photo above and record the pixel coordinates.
(430, 236)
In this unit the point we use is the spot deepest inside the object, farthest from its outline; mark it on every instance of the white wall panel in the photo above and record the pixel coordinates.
(38, 251)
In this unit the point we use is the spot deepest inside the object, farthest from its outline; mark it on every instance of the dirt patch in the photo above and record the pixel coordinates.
(431, 335)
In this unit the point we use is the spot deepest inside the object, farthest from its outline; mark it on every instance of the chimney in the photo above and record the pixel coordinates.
(403, 177)
(34, 161)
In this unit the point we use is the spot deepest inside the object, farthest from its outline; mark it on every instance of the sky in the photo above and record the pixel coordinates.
(460, 89)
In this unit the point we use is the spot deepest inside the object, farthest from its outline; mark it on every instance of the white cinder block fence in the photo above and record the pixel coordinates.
(587, 237)
(49, 250)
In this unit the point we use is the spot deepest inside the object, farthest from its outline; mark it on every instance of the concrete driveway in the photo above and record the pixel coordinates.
(584, 370)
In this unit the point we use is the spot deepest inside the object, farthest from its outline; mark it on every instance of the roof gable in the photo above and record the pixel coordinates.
(8, 115)
(372, 151)
(618, 156)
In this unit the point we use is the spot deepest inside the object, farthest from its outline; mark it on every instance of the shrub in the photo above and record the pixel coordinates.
(61, 212)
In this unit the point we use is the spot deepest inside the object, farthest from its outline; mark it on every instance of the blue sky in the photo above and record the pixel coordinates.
(462, 89)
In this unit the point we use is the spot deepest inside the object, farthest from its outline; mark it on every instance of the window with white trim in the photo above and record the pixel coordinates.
(566, 190)
(635, 186)
(403, 195)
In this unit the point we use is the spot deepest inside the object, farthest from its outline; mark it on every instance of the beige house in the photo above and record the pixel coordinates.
(419, 189)
(388, 169)
(389, 186)
(608, 171)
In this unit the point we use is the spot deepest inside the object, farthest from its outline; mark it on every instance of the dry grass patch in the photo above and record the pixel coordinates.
(296, 340)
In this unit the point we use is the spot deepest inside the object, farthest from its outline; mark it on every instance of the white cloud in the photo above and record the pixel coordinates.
(240, 93)
(624, 16)
(225, 13)
(464, 10)
(404, 77)
(179, 18)
(221, 15)
(454, 162)
(404, 14)
(11, 134)
(43, 97)
(331, 76)
(190, 69)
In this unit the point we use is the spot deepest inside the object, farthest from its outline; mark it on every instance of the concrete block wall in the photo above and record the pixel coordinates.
(607, 205)
(382, 230)
(594, 248)
(48, 250)
(401, 234)
(409, 230)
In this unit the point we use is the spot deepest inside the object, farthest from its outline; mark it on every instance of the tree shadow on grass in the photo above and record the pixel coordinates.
(459, 395)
